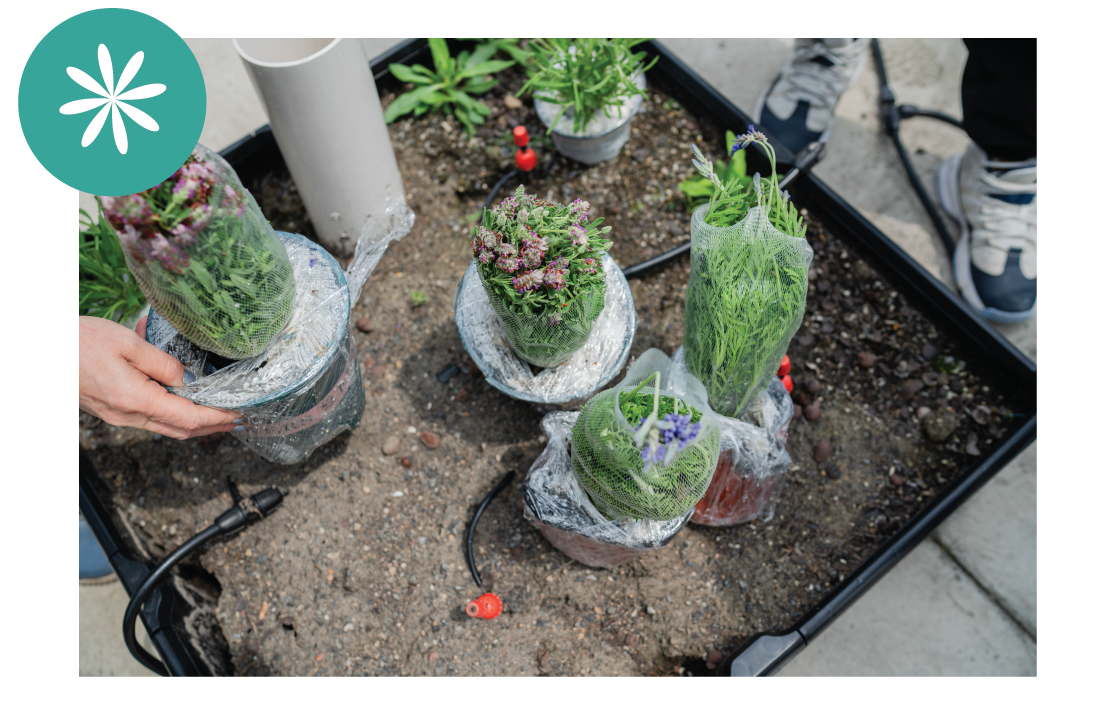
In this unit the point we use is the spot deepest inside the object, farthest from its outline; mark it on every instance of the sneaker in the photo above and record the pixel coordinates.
(799, 106)
(994, 202)
(93, 564)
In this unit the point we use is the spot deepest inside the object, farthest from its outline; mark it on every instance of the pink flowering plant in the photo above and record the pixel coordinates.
(540, 263)
(205, 257)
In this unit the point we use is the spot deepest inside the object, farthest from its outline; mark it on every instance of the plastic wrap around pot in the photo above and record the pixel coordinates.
(306, 387)
(578, 376)
(746, 296)
(601, 138)
(628, 479)
(207, 260)
(565, 515)
(752, 462)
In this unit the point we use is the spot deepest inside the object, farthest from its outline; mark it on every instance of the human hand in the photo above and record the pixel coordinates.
(119, 383)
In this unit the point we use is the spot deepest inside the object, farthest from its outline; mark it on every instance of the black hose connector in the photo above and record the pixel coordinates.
(257, 506)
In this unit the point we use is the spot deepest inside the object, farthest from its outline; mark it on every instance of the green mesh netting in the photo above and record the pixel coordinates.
(206, 258)
(612, 465)
(548, 341)
(746, 296)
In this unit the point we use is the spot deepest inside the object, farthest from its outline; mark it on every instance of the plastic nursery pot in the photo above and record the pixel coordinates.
(736, 496)
(602, 137)
(325, 399)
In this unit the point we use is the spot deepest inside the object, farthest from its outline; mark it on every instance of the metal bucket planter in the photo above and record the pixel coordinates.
(324, 400)
(583, 373)
(603, 136)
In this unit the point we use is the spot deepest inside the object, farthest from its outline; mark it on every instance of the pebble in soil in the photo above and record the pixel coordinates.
(362, 567)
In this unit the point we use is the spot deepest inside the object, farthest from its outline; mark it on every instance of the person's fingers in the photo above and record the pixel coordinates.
(163, 429)
(225, 428)
(141, 328)
(157, 364)
(178, 412)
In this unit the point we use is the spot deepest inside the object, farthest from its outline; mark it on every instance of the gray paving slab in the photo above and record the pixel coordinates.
(925, 617)
(101, 649)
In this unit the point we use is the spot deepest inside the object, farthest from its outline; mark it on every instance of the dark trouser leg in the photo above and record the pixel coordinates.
(1050, 98)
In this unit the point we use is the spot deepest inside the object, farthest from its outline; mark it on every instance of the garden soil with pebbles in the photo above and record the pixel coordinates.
(362, 570)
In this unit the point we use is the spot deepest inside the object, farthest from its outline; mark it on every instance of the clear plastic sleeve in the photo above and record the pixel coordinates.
(746, 296)
(558, 506)
(306, 387)
(206, 258)
(752, 462)
(642, 479)
(579, 375)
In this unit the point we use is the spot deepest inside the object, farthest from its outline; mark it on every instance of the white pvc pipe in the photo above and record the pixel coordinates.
(326, 116)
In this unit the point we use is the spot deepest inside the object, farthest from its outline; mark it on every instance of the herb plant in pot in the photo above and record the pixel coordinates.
(539, 263)
(746, 292)
(206, 258)
(586, 91)
(621, 477)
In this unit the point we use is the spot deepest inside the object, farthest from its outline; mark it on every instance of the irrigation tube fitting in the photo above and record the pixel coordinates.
(488, 605)
(242, 513)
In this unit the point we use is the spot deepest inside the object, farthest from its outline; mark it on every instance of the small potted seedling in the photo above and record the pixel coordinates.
(586, 91)
(746, 296)
(540, 265)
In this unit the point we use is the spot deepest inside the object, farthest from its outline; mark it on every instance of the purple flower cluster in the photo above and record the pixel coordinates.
(484, 245)
(591, 266)
(674, 428)
(159, 224)
(578, 210)
(533, 249)
(528, 281)
(508, 260)
(577, 235)
(555, 273)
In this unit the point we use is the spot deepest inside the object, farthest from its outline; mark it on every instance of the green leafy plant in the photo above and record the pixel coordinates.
(106, 287)
(450, 85)
(510, 45)
(540, 264)
(586, 74)
(747, 286)
(206, 258)
(418, 298)
(699, 189)
(642, 453)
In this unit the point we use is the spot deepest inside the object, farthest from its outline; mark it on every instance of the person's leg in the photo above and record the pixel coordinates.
(799, 106)
(991, 188)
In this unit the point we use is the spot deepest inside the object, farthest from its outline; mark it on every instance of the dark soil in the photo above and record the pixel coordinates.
(362, 570)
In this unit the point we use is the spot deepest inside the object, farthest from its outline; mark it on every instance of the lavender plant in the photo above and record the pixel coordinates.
(206, 258)
(642, 453)
(586, 74)
(540, 264)
(747, 286)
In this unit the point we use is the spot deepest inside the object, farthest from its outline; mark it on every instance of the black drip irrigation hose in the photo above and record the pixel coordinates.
(475, 522)
(892, 115)
(229, 522)
(150, 661)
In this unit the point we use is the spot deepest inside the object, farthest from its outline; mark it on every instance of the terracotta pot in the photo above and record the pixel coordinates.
(735, 496)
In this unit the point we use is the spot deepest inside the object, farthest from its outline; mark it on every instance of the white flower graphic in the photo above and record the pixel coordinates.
(113, 99)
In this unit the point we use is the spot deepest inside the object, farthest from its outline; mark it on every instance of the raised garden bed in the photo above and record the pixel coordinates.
(362, 570)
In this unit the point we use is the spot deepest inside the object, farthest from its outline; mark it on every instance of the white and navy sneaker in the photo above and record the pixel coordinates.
(799, 106)
(994, 202)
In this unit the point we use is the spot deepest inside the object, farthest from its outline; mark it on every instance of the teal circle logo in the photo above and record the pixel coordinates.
(112, 102)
